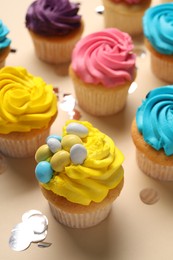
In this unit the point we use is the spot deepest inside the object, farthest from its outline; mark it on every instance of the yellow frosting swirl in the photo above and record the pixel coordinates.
(27, 102)
(101, 171)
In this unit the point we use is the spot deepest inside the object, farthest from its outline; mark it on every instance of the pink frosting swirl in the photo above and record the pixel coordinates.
(104, 57)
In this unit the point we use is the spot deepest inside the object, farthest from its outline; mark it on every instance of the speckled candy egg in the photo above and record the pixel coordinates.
(77, 129)
(60, 160)
(54, 136)
(54, 144)
(78, 153)
(69, 140)
(43, 153)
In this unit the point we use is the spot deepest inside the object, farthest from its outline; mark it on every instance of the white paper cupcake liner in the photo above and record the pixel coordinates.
(24, 147)
(162, 68)
(100, 103)
(130, 21)
(152, 169)
(57, 50)
(84, 220)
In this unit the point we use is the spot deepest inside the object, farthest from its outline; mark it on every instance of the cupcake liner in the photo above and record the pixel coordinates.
(127, 19)
(81, 220)
(55, 50)
(162, 68)
(152, 169)
(99, 101)
(23, 146)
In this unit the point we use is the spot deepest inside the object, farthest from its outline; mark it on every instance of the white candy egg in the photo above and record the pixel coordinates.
(54, 144)
(78, 153)
(77, 129)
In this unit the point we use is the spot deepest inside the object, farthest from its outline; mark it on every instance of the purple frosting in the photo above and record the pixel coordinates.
(53, 17)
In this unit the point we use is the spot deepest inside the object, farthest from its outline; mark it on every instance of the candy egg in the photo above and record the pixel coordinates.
(60, 160)
(77, 129)
(54, 136)
(54, 144)
(69, 140)
(44, 172)
(78, 153)
(43, 153)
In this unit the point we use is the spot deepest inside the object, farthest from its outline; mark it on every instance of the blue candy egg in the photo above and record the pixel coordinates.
(44, 171)
(59, 138)
(77, 129)
(78, 153)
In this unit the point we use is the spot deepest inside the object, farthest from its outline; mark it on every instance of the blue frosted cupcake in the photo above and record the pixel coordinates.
(4, 44)
(152, 134)
(158, 28)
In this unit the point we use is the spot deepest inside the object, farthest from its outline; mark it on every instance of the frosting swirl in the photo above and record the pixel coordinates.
(154, 119)
(158, 27)
(53, 18)
(104, 57)
(4, 41)
(27, 102)
(91, 179)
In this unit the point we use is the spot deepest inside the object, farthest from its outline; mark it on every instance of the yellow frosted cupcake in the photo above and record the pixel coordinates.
(152, 134)
(125, 15)
(102, 70)
(80, 174)
(28, 108)
(4, 44)
(54, 27)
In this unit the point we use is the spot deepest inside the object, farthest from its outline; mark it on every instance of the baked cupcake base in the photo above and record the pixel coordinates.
(127, 18)
(161, 65)
(79, 216)
(56, 50)
(152, 162)
(3, 55)
(23, 145)
(98, 100)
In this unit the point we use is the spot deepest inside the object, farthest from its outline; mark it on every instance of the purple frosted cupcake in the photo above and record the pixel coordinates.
(55, 27)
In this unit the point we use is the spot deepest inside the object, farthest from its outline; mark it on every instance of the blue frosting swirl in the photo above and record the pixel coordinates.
(4, 41)
(158, 27)
(154, 119)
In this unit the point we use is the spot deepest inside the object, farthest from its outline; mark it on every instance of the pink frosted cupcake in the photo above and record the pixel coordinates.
(4, 44)
(80, 174)
(54, 27)
(28, 109)
(102, 70)
(125, 15)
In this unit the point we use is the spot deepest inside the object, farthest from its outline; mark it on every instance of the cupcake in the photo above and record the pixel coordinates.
(152, 134)
(54, 27)
(158, 28)
(80, 174)
(4, 44)
(28, 108)
(102, 70)
(125, 15)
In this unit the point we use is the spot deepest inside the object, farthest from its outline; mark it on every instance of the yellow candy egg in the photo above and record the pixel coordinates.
(43, 153)
(60, 160)
(69, 140)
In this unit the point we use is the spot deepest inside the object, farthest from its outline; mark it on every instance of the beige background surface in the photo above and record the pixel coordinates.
(134, 230)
